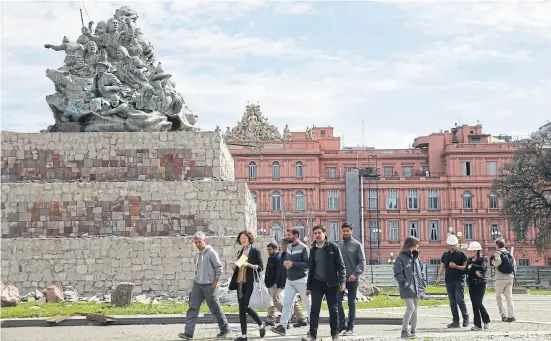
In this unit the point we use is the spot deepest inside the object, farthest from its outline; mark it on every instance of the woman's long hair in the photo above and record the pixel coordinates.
(409, 242)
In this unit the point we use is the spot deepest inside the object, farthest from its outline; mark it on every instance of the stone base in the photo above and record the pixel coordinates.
(134, 208)
(94, 265)
(166, 156)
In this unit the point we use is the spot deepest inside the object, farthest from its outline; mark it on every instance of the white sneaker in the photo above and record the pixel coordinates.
(349, 332)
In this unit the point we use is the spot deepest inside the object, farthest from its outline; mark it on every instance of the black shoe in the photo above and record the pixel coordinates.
(224, 332)
(341, 331)
(454, 324)
(262, 330)
(241, 338)
(504, 318)
(465, 323)
(510, 319)
(412, 333)
(185, 336)
(270, 323)
(404, 334)
(279, 330)
(300, 323)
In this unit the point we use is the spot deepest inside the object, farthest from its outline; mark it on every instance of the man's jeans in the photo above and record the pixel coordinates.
(352, 287)
(456, 294)
(320, 289)
(292, 288)
(200, 293)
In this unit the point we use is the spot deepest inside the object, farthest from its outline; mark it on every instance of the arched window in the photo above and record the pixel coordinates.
(253, 193)
(276, 231)
(275, 170)
(299, 170)
(252, 170)
(299, 201)
(300, 227)
(494, 203)
(467, 200)
(276, 201)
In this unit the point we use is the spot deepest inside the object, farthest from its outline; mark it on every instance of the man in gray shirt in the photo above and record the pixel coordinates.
(208, 270)
(354, 260)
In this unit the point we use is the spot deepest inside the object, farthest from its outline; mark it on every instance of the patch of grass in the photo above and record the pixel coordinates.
(26, 309)
(441, 290)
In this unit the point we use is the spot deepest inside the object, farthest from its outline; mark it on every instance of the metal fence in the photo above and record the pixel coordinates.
(526, 276)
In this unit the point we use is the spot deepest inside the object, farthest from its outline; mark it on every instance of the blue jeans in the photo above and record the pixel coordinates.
(352, 288)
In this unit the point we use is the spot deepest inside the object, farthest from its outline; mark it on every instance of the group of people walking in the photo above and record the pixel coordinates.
(323, 270)
(460, 270)
(327, 270)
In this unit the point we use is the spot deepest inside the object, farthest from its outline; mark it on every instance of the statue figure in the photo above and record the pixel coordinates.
(287, 133)
(310, 135)
(109, 82)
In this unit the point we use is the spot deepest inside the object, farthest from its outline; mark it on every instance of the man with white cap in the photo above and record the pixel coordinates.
(208, 270)
(454, 261)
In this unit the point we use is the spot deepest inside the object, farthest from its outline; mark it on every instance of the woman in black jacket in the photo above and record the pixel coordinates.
(476, 280)
(243, 279)
(408, 272)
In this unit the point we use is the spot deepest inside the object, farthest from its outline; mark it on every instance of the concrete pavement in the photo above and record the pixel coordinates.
(533, 314)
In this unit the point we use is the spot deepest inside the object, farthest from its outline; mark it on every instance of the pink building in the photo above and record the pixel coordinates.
(301, 179)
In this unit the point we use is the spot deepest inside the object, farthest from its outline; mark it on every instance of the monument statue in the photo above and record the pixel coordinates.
(111, 81)
(310, 134)
(287, 133)
(253, 127)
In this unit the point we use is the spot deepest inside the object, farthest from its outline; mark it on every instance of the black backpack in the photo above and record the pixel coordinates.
(507, 265)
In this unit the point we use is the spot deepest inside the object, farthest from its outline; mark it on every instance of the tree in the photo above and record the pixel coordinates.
(524, 185)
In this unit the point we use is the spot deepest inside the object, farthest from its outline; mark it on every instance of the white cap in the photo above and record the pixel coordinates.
(452, 240)
(474, 246)
(199, 235)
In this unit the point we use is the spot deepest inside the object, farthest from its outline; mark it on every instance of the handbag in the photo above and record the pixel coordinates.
(260, 297)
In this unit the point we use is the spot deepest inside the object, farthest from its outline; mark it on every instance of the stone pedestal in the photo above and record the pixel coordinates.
(84, 193)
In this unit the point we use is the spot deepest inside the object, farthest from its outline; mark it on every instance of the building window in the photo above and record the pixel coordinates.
(299, 172)
(300, 228)
(372, 199)
(388, 171)
(252, 170)
(253, 193)
(299, 201)
(408, 171)
(413, 199)
(524, 262)
(393, 233)
(434, 230)
(413, 227)
(333, 200)
(392, 200)
(276, 231)
(476, 139)
(434, 199)
(467, 200)
(349, 169)
(494, 231)
(333, 230)
(469, 231)
(466, 168)
(492, 168)
(493, 200)
(276, 201)
(275, 170)
(374, 231)
(331, 172)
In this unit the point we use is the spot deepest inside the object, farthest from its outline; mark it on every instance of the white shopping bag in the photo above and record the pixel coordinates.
(260, 298)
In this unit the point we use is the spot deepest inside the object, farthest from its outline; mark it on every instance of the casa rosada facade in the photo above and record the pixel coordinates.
(443, 182)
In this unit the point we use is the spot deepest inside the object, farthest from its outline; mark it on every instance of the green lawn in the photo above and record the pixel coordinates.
(442, 290)
(26, 309)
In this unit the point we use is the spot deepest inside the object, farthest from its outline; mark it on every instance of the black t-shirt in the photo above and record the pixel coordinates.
(459, 258)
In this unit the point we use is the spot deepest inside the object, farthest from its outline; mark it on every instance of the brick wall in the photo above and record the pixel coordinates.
(166, 156)
(135, 208)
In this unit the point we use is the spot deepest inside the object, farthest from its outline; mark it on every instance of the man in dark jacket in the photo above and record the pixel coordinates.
(326, 277)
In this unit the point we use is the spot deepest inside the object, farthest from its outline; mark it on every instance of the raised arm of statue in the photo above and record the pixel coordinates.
(61, 47)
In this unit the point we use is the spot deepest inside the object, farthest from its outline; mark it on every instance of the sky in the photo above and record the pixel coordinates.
(406, 68)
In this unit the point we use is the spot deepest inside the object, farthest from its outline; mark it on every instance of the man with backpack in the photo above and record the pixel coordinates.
(504, 263)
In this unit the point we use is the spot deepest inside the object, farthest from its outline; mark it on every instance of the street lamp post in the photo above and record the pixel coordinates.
(496, 234)
(392, 259)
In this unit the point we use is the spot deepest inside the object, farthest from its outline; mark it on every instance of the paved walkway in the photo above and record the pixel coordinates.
(532, 313)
